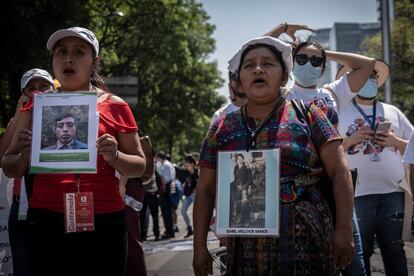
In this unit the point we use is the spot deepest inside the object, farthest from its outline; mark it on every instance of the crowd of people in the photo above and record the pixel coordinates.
(321, 132)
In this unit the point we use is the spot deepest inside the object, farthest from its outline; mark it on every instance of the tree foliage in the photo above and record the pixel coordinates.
(26, 25)
(402, 56)
(164, 43)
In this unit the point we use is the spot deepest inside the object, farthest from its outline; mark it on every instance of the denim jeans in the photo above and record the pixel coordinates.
(381, 216)
(187, 202)
(19, 241)
(357, 266)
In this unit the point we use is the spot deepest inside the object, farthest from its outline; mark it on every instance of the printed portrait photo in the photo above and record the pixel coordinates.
(248, 189)
(64, 127)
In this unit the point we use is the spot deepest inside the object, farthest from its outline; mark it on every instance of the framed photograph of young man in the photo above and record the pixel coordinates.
(64, 133)
(248, 193)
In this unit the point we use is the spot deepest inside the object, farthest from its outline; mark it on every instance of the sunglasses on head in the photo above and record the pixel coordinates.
(302, 59)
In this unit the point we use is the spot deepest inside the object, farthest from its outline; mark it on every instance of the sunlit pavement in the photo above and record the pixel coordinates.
(173, 257)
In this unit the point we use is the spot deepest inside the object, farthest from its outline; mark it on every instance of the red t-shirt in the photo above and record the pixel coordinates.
(48, 189)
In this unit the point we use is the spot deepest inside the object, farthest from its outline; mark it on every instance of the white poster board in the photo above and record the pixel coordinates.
(6, 260)
(248, 193)
(64, 133)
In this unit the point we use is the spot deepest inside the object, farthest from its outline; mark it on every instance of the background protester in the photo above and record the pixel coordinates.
(167, 172)
(176, 192)
(409, 159)
(153, 187)
(190, 164)
(262, 66)
(135, 260)
(75, 64)
(377, 154)
(237, 100)
(34, 80)
(309, 63)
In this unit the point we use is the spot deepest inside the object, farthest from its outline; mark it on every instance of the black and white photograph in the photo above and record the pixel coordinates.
(247, 193)
(65, 135)
(64, 127)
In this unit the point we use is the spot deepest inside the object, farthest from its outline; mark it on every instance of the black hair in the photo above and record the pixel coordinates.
(239, 154)
(275, 51)
(64, 115)
(311, 43)
(161, 155)
(232, 76)
(189, 158)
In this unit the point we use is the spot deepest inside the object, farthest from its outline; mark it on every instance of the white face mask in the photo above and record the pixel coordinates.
(370, 89)
(306, 75)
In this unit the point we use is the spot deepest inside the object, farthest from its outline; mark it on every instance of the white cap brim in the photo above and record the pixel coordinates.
(284, 48)
(58, 35)
(35, 74)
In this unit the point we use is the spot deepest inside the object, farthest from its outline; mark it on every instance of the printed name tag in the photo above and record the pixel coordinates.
(79, 212)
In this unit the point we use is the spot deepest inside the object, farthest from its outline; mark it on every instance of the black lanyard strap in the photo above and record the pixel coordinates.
(374, 113)
(251, 139)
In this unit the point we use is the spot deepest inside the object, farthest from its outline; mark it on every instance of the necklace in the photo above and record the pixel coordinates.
(253, 133)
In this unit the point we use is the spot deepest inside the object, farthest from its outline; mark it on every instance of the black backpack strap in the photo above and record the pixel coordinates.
(326, 185)
(300, 109)
(28, 181)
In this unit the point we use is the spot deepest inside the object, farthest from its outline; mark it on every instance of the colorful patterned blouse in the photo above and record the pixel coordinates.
(305, 221)
(299, 142)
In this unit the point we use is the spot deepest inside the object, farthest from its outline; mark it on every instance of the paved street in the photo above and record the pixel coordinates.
(174, 257)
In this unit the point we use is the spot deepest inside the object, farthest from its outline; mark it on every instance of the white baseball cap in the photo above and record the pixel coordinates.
(284, 48)
(80, 32)
(35, 73)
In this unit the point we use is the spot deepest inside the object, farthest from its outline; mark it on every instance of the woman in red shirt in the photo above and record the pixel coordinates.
(102, 251)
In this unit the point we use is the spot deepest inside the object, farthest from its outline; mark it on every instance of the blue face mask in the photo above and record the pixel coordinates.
(306, 75)
(370, 89)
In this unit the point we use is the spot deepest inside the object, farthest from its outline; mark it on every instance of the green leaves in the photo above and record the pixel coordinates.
(165, 44)
(402, 56)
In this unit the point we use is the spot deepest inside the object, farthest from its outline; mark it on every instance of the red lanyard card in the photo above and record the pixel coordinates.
(78, 212)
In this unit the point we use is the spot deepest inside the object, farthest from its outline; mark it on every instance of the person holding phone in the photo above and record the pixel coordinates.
(375, 138)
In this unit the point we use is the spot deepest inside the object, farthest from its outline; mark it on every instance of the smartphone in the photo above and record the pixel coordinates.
(382, 127)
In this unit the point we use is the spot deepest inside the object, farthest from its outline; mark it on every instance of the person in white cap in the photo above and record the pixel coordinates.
(308, 243)
(376, 135)
(34, 80)
(75, 61)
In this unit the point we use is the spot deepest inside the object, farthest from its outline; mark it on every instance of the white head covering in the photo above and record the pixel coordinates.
(80, 32)
(282, 47)
(35, 73)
